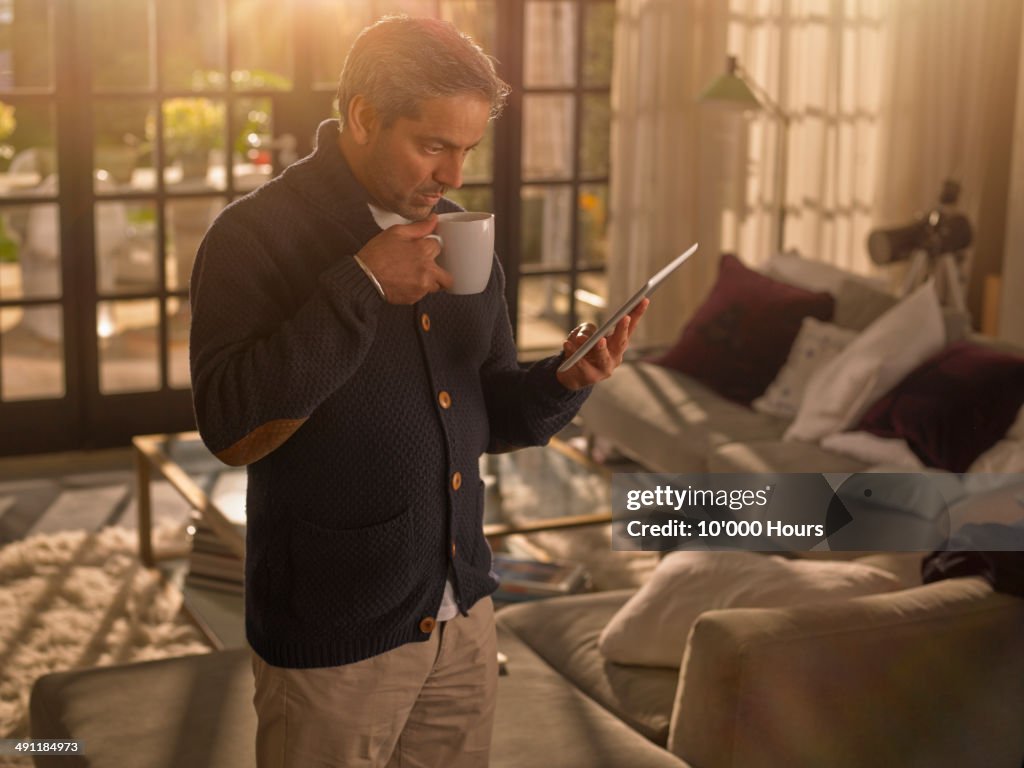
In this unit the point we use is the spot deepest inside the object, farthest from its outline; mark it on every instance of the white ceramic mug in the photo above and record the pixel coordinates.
(467, 249)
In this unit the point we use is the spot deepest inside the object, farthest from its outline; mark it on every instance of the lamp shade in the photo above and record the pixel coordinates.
(730, 88)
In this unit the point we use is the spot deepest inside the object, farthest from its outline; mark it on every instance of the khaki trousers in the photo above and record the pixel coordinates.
(419, 705)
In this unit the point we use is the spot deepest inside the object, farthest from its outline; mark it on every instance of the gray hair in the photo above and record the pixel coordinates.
(400, 61)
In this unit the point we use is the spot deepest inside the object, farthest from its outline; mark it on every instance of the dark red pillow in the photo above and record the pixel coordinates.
(740, 336)
(954, 406)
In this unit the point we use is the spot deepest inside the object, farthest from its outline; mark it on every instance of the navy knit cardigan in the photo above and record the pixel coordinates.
(354, 520)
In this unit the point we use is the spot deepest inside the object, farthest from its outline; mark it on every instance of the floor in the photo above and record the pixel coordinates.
(77, 491)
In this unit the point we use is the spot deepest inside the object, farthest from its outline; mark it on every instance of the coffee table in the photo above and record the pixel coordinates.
(533, 490)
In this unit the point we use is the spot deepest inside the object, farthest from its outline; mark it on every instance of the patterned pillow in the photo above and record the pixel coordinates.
(815, 345)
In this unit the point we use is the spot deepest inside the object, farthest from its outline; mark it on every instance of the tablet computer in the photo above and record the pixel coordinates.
(609, 325)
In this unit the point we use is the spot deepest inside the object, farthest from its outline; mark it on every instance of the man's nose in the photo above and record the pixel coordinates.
(449, 173)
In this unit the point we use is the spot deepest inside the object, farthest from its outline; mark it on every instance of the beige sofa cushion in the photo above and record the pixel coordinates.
(564, 632)
(779, 456)
(668, 421)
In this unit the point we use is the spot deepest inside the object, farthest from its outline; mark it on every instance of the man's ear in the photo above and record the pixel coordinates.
(362, 119)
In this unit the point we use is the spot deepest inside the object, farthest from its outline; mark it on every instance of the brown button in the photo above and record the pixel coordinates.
(444, 399)
(427, 625)
(457, 481)
(453, 549)
(425, 321)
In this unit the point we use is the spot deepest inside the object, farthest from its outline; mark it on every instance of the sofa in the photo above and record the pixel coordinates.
(196, 711)
(931, 675)
(673, 422)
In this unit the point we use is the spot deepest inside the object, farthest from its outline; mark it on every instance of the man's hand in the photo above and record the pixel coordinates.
(605, 357)
(403, 259)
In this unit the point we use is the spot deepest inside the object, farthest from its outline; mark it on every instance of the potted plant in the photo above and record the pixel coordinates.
(192, 127)
(8, 247)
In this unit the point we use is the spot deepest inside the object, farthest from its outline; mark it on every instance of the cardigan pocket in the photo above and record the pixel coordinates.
(350, 577)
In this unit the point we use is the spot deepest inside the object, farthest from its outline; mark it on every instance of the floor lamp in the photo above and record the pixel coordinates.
(736, 88)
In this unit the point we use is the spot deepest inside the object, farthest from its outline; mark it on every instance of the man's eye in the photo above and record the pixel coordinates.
(433, 149)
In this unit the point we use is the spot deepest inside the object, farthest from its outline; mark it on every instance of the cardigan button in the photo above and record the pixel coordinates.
(444, 399)
(453, 549)
(456, 481)
(425, 321)
(427, 625)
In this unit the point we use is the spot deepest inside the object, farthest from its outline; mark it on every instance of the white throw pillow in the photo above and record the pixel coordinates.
(1006, 456)
(815, 345)
(791, 267)
(872, 449)
(1016, 430)
(652, 628)
(887, 350)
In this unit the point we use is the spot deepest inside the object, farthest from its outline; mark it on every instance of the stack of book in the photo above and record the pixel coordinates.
(212, 564)
(524, 579)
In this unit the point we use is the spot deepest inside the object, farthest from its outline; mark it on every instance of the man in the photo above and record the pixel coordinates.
(327, 357)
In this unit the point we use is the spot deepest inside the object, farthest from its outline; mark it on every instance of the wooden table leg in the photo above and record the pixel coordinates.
(142, 495)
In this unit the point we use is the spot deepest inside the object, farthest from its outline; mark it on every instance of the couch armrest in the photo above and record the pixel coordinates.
(930, 676)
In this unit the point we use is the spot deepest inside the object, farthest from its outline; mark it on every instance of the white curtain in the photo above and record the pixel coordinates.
(667, 184)
(885, 99)
(1011, 310)
(949, 105)
(821, 62)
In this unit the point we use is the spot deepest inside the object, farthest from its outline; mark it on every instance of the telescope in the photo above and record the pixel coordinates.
(934, 244)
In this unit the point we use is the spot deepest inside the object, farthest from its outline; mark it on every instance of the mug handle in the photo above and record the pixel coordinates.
(440, 240)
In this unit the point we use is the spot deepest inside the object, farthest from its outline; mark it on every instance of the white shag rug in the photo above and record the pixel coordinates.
(75, 599)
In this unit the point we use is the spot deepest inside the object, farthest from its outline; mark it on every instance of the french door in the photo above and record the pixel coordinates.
(126, 125)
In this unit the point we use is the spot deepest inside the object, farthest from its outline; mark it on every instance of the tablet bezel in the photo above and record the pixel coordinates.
(630, 304)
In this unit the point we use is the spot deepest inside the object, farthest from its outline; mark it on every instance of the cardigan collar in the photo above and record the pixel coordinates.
(325, 180)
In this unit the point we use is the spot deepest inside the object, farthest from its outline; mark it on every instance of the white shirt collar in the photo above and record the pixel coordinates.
(386, 219)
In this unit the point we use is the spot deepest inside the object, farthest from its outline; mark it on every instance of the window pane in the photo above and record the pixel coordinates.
(335, 28)
(410, 7)
(30, 252)
(125, 131)
(193, 34)
(26, 44)
(593, 224)
(125, 247)
(179, 317)
(32, 345)
(121, 43)
(549, 56)
(547, 137)
(187, 222)
(595, 145)
(479, 165)
(546, 227)
(473, 198)
(476, 18)
(599, 40)
(591, 298)
(28, 150)
(128, 345)
(543, 313)
(254, 134)
(194, 130)
(261, 40)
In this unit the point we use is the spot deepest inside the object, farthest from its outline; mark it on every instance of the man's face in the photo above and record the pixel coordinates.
(413, 162)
